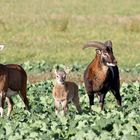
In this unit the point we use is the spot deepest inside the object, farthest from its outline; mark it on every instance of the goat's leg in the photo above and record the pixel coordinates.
(10, 105)
(57, 106)
(102, 100)
(98, 96)
(77, 104)
(117, 95)
(89, 89)
(2, 101)
(91, 99)
(24, 98)
(64, 106)
(115, 87)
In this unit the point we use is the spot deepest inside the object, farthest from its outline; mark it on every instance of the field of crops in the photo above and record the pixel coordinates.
(39, 34)
(41, 123)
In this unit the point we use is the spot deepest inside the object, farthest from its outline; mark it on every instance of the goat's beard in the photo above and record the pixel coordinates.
(109, 64)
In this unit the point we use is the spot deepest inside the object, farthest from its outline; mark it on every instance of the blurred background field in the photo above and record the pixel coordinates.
(54, 31)
(39, 34)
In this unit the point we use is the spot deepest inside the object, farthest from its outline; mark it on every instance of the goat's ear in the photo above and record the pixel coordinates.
(1, 47)
(108, 43)
(67, 70)
(55, 72)
(98, 51)
(56, 69)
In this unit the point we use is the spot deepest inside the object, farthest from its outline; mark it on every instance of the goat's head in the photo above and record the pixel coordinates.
(60, 75)
(104, 50)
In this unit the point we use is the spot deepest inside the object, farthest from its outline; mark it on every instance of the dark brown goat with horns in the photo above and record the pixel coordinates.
(102, 73)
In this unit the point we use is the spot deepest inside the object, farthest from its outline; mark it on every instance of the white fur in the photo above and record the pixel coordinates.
(110, 64)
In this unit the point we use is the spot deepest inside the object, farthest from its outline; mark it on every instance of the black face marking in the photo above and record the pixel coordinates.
(108, 57)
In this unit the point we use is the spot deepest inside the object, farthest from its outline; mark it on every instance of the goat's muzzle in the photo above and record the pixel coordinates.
(113, 64)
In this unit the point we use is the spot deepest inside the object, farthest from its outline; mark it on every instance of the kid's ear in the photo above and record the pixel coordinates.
(67, 70)
(57, 67)
(55, 71)
(98, 51)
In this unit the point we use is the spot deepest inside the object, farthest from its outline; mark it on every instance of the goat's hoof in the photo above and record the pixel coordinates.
(91, 111)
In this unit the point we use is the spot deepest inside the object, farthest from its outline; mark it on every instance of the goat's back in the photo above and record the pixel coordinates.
(71, 87)
(17, 76)
(3, 77)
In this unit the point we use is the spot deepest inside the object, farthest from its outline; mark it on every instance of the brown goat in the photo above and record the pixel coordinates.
(13, 79)
(64, 92)
(102, 73)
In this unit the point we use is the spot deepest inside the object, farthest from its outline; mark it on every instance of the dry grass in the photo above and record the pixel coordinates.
(78, 77)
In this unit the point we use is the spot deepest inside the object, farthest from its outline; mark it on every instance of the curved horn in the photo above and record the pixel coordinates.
(95, 44)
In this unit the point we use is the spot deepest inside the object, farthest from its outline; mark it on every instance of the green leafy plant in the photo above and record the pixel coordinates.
(42, 123)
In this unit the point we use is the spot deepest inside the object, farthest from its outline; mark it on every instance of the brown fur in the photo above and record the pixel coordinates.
(63, 94)
(97, 76)
(102, 73)
(12, 77)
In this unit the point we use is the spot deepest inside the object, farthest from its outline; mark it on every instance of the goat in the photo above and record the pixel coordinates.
(64, 92)
(102, 74)
(13, 79)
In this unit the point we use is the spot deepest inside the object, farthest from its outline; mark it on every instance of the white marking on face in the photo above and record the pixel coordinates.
(10, 93)
(110, 64)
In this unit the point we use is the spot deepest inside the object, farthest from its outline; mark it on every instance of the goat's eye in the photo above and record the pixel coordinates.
(105, 54)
